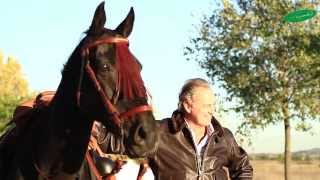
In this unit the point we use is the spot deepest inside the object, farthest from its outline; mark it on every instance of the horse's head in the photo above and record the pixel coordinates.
(111, 89)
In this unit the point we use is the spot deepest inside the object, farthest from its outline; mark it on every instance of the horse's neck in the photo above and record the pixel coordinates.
(69, 135)
(66, 116)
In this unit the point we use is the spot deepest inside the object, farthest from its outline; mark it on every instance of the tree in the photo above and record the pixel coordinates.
(13, 88)
(269, 67)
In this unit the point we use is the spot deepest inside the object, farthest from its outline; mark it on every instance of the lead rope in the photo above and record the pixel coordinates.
(142, 170)
(93, 167)
(115, 170)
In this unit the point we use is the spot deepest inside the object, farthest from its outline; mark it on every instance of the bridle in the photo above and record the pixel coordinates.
(109, 103)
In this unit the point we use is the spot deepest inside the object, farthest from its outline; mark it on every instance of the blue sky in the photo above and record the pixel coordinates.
(42, 34)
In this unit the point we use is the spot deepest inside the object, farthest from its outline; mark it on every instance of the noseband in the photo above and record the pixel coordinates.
(108, 104)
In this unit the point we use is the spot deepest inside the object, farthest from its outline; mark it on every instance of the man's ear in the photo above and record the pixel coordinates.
(187, 106)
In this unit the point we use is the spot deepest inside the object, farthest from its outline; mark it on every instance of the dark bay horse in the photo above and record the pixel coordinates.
(101, 81)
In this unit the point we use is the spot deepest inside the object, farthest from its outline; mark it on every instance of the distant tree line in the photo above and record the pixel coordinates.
(280, 157)
(13, 88)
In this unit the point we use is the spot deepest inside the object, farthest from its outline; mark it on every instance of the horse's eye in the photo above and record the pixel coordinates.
(106, 67)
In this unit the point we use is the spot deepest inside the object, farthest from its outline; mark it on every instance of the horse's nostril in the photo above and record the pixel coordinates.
(142, 133)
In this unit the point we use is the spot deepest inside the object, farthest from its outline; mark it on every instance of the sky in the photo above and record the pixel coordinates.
(42, 34)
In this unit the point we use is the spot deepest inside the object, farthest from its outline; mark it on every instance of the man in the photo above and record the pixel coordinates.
(192, 143)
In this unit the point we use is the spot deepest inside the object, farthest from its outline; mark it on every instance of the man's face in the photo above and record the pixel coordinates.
(200, 107)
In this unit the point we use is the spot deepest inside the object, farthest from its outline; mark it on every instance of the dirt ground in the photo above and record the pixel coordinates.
(268, 169)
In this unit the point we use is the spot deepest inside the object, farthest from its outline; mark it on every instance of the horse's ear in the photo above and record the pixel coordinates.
(126, 26)
(99, 19)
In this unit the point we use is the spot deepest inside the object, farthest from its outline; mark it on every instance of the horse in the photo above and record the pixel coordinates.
(101, 82)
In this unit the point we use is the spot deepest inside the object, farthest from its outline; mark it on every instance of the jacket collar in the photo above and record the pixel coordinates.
(177, 123)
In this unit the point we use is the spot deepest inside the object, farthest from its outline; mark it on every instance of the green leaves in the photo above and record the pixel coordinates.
(7, 105)
(13, 88)
(268, 66)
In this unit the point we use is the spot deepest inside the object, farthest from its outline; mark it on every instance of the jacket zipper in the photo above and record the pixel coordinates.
(210, 138)
(199, 164)
(198, 158)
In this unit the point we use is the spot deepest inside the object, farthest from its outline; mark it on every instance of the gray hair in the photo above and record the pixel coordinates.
(187, 90)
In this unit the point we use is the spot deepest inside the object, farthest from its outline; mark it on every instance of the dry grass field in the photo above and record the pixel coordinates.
(272, 169)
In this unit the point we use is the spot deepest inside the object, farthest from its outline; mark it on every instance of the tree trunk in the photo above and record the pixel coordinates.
(287, 145)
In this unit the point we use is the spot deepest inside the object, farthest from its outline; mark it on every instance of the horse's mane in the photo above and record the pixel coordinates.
(75, 55)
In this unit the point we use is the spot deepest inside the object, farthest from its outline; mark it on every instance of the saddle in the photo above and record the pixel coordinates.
(104, 166)
(23, 114)
(22, 118)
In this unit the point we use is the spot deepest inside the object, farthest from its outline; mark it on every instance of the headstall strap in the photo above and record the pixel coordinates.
(108, 105)
(105, 41)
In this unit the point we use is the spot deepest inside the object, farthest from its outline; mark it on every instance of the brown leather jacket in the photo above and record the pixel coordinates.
(176, 157)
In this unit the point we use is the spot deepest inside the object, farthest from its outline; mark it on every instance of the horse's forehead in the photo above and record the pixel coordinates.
(110, 33)
(113, 33)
